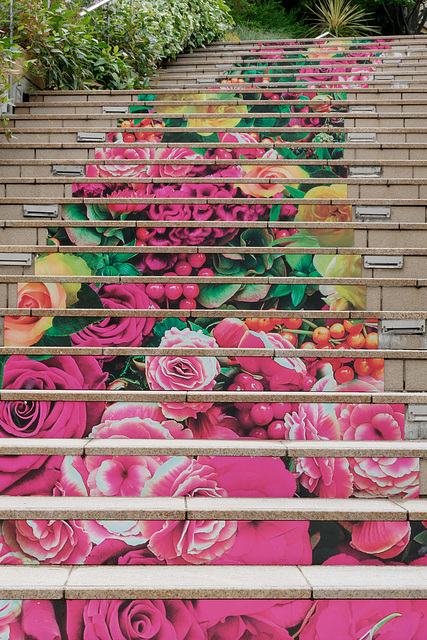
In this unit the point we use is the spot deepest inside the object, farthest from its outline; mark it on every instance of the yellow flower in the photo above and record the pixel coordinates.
(267, 190)
(229, 120)
(341, 297)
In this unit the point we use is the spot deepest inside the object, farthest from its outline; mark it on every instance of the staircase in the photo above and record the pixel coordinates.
(213, 406)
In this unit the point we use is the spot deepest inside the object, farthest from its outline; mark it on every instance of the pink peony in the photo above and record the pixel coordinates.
(326, 477)
(131, 619)
(119, 475)
(10, 627)
(251, 619)
(187, 541)
(385, 477)
(183, 373)
(371, 421)
(116, 171)
(382, 539)
(138, 420)
(351, 619)
(175, 170)
(278, 373)
(48, 541)
(199, 542)
(38, 621)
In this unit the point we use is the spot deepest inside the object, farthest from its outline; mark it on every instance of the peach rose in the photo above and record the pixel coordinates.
(270, 172)
(326, 51)
(24, 331)
(229, 120)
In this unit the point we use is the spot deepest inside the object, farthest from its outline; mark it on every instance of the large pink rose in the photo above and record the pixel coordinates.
(371, 421)
(132, 619)
(385, 477)
(175, 170)
(36, 475)
(279, 373)
(117, 170)
(120, 331)
(38, 620)
(325, 477)
(251, 619)
(183, 373)
(352, 619)
(381, 539)
(138, 420)
(48, 541)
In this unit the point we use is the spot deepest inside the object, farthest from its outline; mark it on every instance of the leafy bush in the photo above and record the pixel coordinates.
(266, 19)
(90, 51)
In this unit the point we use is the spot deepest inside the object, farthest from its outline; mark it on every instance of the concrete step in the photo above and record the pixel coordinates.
(176, 582)
(363, 135)
(201, 508)
(23, 168)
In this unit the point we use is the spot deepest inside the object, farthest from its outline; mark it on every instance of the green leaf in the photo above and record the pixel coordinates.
(297, 294)
(213, 296)
(280, 290)
(295, 193)
(275, 212)
(160, 328)
(378, 626)
(65, 326)
(421, 538)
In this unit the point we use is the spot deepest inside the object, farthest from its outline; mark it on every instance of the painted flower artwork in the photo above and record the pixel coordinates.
(203, 213)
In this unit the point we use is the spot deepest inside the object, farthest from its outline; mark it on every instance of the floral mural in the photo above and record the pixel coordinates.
(213, 619)
(185, 183)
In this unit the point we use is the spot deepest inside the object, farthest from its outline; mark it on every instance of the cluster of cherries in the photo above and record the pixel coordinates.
(334, 335)
(259, 420)
(183, 295)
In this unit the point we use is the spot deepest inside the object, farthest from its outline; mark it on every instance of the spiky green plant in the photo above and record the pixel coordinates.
(340, 17)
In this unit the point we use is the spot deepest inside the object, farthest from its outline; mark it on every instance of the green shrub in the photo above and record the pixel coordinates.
(266, 19)
(90, 51)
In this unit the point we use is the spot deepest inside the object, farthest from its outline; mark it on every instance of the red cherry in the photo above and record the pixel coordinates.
(128, 137)
(206, 272)
(183, 268)
(197, 260)
(282, 233)
(173, 291)
(262, 413)
(190, 290)
(258, 432)
(187, 303)
(280, 409)
(182, 256)
(344, 374)
(276, 430)
(155, 291)
(142, 233)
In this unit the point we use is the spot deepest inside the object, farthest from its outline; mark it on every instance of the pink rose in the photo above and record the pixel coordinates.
(119, 332)
(352, 619)
(138, 420)
(117, 170)
(250, 619)
(385, 477)
(36, 475)
(183, 373)
(371, 421)
(48, 541)
(279, 373)
(381, 539)
(131, 619)
(175, 170)
(118, 552)
(326, 477)
(10, 627)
